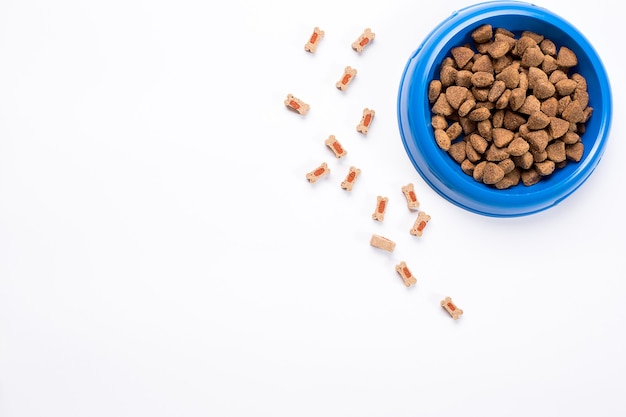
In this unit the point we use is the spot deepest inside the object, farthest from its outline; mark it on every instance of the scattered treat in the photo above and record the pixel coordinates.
(296, 104)
(348, 182)
(451, 308)
(420, 223)
(316, 37)
(411, 199)
(348, 75)
(318, 172)
(521, 105)
(335, 146)
(365, 39)
(381, 206)
(406, 274)
(366, 120)
(383, 243)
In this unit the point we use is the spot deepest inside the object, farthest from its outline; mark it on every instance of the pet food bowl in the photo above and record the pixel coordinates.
(439, 170)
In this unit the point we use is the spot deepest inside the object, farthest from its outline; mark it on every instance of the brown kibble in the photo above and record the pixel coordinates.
(497, 88)
(530, 177)
(556, 151)
(464, 78)
(539, 156)
(518, 147)
(548, 47)
(543, 90)
(582, 82)
(482, 34)
(507, 165)
(581, 96)
(466, 107)
(531, 105)
(570, 137)
(442, 107)
(533, 57)
(498, 49)
(447, 75)
(482, 64)
(513, 121)
(434, 90)
(478, 142)
(503, 101)
(497, 119)
(538, 120)
(510, 179)
(518, 96)
(573, 113)
(454, 131)
(467, 167)
(479, 114)
(479, 170)
(538, 140)
(535, 76)
(456, 95)
(510, 75)
(482, 79)
(549, 64)
(522, 44)
(495, 154)
(566, 57)
(492, 173)
(556, 76)
(442, 139)
(439, 122)
(545, 168)
(457, 151)
(471, 153)
(501, 137)
(575, 151)
(550, 106)
(524, 161)
(467, 125)
(558, 127)
(462, 55)
(566, 87)
(484, 128)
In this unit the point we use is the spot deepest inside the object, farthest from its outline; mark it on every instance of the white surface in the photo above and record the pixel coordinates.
(161, 253)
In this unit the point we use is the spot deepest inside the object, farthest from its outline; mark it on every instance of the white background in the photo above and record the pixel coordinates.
(161, 253)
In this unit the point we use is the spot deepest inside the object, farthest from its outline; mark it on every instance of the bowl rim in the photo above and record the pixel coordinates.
(457, 187)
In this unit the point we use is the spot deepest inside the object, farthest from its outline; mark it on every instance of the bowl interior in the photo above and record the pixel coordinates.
(443, 173)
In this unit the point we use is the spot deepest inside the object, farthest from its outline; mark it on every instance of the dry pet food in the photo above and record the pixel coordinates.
(411, 199)
(451, 308)
(406, 274)
(366, 120)
(348, 182)
(348, 75)
(381, 206)
(314, 40)
(335, 146)
(362, 41)
(318, 172)
(419, 224)
(383, 243)
(296, 104)
(509, 108)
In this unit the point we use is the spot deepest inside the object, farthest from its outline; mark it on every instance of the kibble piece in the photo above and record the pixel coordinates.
(348, 75)
(442, 139)
(524, 161)
(581, 96)
(557, 127)
(548, 47)
(549, 64)
(550, 107)
(383, 243)
(484, 128)
(501, 137)
(531, 105)
(434, 89)
(482, 79)
(545, 168)
(573, 113)
(478, 142)
(575, 151)
(479, 114)
(318, 172)
(381, 207)
(456, 96)
(535, 76)
(482, 63)
(538, 38)
(295, 104)
(479, 170)
(467, 167)
(543, 90)
(570, 137)
(454, 131)
(523, 43)
(405, 273)
(530, 177)
(538, 140)
(482, 34)
(582, 82)
(566, 57)
(439, 122)
(457, 151)
(518, 147)
(471, 153)
(420, 224)
(466, 107)
(335, 146)
(518, 96)
(556, 151)
(464, 78)
(412, 202)
(511, 179)
(497, 120)
(448, 75)
(556, 76)
(363, 40)
(502, 103)
(314, 40)
(538, 120)
(366, 120)
(533, 57)
(507, 165)
(462, 55)
(442, 106)
(497, 88)
(492, 173)
(468, 125)
(350, 179)
(498, 49)
(510, 75)
(539, 156)
(451, 308)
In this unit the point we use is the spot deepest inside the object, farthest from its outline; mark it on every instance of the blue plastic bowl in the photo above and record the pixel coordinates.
(439, 170)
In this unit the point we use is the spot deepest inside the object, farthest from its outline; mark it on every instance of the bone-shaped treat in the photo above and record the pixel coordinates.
(381, 206)
(420, 223)
(362, 41)
(451, 308)
(348, 182)
(406, 274)
(335, 146)
(318, 172)
(411, 199)
(348, 75)
(296, 104)
(366, 120)
(383, 243)
(316, 37)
